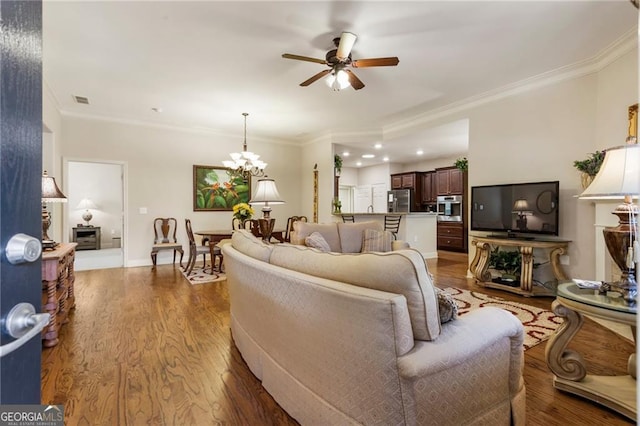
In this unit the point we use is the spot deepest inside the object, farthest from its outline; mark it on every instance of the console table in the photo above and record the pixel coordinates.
(615, 392)
(480, 264)
(57, 288)
(87, 237)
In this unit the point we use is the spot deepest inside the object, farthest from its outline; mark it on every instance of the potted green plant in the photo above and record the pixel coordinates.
(462, 164)
(337, 164)
(337, 206)
(507, 262)
(589, 167)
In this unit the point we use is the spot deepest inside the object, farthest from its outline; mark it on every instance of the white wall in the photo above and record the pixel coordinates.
(51, 158)
(160, 174)
(430, 164)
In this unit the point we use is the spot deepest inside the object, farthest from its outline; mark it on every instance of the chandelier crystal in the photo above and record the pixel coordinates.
(246, 163)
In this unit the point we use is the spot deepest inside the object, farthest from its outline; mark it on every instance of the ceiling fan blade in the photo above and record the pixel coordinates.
(303, 58)
(315, 77)
(356, 83)
(375, 62)
(347, 41)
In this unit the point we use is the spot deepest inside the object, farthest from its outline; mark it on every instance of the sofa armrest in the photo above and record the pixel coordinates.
(478, 357)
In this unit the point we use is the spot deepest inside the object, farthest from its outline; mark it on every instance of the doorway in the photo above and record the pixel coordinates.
(95, 216)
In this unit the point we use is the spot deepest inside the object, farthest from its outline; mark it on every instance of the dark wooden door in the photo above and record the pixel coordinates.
(20, 186)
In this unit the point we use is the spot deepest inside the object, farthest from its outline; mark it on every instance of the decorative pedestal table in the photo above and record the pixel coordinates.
(615, 392)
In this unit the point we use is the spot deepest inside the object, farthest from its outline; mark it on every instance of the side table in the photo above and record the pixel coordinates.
(87, 237)
(615, 392)
(58, 295)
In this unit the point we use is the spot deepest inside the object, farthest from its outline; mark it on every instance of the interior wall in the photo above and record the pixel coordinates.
(51, 159)
(430, 164)
(160, 164)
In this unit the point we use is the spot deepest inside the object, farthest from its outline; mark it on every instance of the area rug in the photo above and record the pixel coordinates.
(198, 276)
(538, 323)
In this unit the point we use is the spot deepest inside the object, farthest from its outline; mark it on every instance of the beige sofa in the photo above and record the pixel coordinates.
(356, 339)
(342, 237)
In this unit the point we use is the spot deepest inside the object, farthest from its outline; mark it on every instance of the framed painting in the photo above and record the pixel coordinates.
(633, 120)
(218, 188)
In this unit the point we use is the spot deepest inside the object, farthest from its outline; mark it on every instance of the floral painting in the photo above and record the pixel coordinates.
(218, 188)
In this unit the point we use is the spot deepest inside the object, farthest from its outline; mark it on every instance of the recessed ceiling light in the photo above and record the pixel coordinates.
(155, 109)
(419, 152)
(378, 146)
(346, 153)
(385, 158)
(359, 163)
(368, 156)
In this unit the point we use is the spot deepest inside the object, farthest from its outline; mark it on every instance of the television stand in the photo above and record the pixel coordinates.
(480, 264)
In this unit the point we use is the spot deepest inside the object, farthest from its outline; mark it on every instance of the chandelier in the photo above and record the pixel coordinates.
(246, 163)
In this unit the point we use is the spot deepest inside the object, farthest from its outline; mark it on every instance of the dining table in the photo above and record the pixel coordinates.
(213, 237)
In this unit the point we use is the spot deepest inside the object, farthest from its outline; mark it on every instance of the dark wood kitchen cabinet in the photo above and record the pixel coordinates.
(452, 236)
(429, 188)
(450, 181)
(410, 180)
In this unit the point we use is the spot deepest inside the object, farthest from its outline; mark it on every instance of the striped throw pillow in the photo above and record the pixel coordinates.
(316, 240)
(374, 240)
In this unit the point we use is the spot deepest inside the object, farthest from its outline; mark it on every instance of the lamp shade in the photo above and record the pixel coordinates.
(86, 204)
(50, 191)
(266, 193)
(619, 175)
(520, 205)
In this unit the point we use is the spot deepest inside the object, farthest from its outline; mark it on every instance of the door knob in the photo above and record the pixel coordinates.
(23, 248)
(22, 323)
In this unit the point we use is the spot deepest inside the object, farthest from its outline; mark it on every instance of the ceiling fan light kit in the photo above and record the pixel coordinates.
(340, 58)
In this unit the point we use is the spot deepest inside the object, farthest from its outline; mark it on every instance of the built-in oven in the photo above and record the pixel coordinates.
(449, 208)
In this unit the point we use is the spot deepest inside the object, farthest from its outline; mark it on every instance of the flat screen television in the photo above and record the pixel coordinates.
(514, 210)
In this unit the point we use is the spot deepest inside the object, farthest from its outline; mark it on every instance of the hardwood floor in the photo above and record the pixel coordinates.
(145, 347)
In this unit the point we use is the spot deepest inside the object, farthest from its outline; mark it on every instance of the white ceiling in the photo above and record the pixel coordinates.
(205, 63)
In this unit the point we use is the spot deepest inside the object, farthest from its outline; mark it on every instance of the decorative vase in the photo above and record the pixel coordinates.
(586, 180)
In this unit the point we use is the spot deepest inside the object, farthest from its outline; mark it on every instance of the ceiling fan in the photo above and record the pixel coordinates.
(338, 60)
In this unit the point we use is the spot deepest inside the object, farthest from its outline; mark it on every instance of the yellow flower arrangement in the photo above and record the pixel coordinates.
(242, 211)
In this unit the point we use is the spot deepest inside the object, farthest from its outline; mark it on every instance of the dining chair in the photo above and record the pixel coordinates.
(164, 229)
(392, 223)
(290, 222)
(196, 250)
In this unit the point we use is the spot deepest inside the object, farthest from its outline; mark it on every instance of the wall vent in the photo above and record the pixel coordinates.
(81, 99)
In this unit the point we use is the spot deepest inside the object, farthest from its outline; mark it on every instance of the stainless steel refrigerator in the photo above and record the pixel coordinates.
(399, 201)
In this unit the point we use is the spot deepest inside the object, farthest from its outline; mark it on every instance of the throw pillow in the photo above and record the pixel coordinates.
(374, 240)
(447, 306)
(316, 240)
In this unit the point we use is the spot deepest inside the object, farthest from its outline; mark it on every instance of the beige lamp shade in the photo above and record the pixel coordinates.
(520, 205)
(86, 204)
(266, 193)
(619, 175)
(50, 191)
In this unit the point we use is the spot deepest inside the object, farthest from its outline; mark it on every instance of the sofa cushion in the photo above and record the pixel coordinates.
(351, 234)
(316, 240)
(245, 242)
(328, 230)
(374, 240)
(400, 272)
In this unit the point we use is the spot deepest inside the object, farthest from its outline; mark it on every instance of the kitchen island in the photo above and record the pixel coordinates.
(416, 228)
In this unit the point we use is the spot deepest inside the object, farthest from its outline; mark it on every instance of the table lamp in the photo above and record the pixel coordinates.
(619, 178)
(266, 193)
(86, 204)
(521, 208)
(50, 194)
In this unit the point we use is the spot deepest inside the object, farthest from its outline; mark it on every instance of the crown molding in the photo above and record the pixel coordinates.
(614, 51)
(177, 128)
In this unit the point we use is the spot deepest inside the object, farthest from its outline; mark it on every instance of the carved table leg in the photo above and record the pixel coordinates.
(565, 363)
(480, 262)
(526, 271)
(51, 330)
(556, 266)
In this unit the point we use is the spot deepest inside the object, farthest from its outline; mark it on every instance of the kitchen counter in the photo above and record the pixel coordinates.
(419, 229)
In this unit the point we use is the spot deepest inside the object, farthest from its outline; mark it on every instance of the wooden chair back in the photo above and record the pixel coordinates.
(192, 239)
(164, 229)
(290, 222)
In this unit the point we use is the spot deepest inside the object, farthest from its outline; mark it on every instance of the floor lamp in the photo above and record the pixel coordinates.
(619, 178)
(266, 193)
(50, 194)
